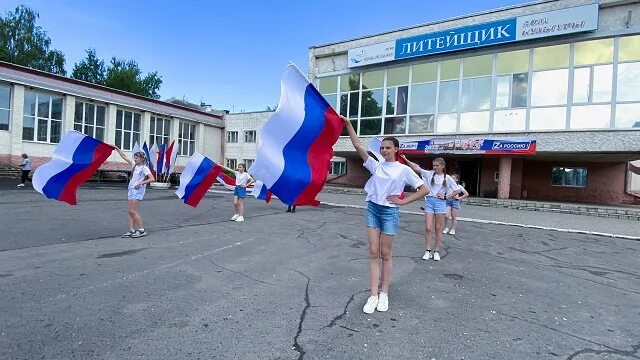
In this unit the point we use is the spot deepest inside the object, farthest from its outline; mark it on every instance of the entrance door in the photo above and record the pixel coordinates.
(469, 171)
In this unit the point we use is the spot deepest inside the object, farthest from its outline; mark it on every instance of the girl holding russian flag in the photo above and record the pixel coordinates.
(140, 177)
(387, 182)
(443, 187)
(243, 180)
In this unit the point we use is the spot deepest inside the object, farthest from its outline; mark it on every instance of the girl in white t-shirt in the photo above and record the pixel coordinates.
(140, 177)
(243, 180)
(453, 205)
(442, 187)
(387, 182)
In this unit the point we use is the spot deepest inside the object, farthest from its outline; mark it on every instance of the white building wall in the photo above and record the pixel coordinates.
(242, 122)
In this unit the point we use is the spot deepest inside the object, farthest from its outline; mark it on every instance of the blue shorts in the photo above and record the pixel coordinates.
(434, 205)
(240, 192)
(136, 194)
(453, 203)
(383, 218)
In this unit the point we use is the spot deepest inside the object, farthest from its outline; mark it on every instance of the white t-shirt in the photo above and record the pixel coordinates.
(462, 191)
(388, 178)
(138, 174)
(242, 178)
(26, 164)
(438, 185)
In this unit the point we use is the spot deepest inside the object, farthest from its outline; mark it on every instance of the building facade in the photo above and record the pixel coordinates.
(243, 138)
(560, 76)
(37, 108)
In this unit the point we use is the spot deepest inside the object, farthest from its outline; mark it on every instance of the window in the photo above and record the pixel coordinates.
(232, 163)
(248, 163)
(511, 90)
(509, 120)
(350, 98)
(328, 87)
(397, 93)
(571, 177)
(232, 136)
(549, 87)
(550, 118)
(476, 94)
(187, 138)
(159, 130)
(42, 117)
(592, 84)
(338, 167)
(89, 119)
(5, 106)
(250, 136)
(127, 129)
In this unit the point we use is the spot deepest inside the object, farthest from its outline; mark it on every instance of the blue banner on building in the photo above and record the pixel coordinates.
(492, 33)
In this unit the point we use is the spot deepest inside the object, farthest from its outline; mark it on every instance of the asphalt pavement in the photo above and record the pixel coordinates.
(292, 286)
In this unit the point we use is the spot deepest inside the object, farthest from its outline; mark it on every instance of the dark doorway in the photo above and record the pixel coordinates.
(469, 171)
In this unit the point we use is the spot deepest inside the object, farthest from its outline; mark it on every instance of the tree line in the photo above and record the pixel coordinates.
(22, 42)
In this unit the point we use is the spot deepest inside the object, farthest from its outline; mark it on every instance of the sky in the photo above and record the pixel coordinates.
(228, 54)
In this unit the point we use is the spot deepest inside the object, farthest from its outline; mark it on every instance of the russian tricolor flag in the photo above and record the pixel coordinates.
(260, 191)
(296, 142)
(197, 177)
(74, 161)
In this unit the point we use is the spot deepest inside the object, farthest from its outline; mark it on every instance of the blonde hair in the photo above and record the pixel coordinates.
(444, 168)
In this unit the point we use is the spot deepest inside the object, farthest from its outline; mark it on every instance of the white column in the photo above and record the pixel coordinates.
(200, 138)
(17, 112)
(69, 113)
(144, 128)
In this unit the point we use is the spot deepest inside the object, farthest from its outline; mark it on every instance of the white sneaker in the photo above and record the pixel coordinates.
(383, 302)
(446, 230)
(234, 217)
(20, 185)
(436, 256)
(240, 218)
(452, 232)
(371, 304)
(427, 255)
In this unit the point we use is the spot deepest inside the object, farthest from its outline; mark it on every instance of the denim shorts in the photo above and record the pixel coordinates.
(136, 194)
(434, 205)
(383, 218)
(453, 203)
(240, 192)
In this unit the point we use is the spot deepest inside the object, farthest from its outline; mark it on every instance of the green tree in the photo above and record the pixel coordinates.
(127, 76)
(24, 43)
(90, 69)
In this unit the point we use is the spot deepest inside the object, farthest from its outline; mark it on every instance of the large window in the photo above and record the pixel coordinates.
(571, 177)
(232, 163)
(248, 163)
(42, 117)
(89, 119)
(232, 136)
(187, 138)
(558, 87)
(250, 136)
(338, 167)
(5, 107)
(159, 130)
(127, 129)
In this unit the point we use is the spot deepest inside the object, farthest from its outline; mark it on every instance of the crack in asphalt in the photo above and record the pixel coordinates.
(631, 353)
(239, 273)
(611, 349)
(296, 345)
(335, 320)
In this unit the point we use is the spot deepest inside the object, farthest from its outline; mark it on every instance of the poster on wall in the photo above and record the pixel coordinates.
(469, 146)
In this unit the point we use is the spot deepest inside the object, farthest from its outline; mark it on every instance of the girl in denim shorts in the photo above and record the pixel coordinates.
(442, 186)
(453, 205)
(243, 180)
(140, 177)
(388, 179)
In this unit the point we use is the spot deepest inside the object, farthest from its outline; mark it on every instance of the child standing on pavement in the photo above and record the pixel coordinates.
(243, 180)
(388, 179)
(26, 169)
(435, 205)
(453, 205)
(140, 177)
